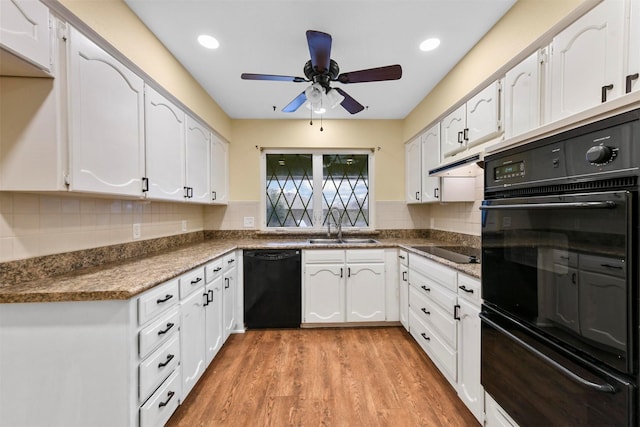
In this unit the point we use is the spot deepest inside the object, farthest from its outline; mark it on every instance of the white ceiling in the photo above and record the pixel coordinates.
(268, 37)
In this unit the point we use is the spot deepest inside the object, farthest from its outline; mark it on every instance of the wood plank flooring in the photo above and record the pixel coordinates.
(322, 377)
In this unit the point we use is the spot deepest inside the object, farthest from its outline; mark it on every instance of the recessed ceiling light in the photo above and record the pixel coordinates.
(208, 41)
(429, 44)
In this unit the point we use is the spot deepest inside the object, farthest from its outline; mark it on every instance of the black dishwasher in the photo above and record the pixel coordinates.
(272, 288)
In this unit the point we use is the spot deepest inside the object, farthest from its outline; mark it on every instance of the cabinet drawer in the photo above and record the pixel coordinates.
(440, 353)
(442, 322)
(157, 300)
(157, 367)
(157, 410)
(229, 261)
(213, 270)
(403, 257)
(365, 255)
(158, 332)
(444, 297)
(191, 281)
(435, 271)
(328, 256)
(469, 289)
(605, 265)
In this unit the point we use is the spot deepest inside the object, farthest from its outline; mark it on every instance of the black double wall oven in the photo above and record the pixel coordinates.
(560, 277)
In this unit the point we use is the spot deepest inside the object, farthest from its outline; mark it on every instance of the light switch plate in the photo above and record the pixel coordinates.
(249, 221)
(137, 231)
(184, 225)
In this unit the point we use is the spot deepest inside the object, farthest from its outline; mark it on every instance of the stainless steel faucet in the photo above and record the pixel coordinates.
(337, 222)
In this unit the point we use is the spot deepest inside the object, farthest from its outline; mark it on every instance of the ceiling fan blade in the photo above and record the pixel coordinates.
(320, 50)
(349, 104)
(250, 76)
(296, 103)
(390, 72)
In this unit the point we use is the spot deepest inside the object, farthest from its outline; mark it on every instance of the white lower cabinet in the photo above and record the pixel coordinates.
(403, 258)
(444, 308)
(192, 329)
(344, 286)
(214, 329)
(229, 293)
(495, 416)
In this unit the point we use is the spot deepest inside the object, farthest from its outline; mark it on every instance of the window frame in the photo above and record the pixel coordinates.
(317, 172)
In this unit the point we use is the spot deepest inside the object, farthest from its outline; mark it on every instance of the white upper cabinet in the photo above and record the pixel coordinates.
(632, 76)
(587, 61)
(483, 115)
(197, 164)
(452, 128)
(165, 142)
(219, 170)
(474, 122)
(412, 171)
(24, 31)
(430, 159)
(522, 89)
(106, 121)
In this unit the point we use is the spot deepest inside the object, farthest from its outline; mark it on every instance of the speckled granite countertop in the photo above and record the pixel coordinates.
(126, 279)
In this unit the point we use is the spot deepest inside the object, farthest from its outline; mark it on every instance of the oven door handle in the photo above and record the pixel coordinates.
(605, 388)
(568, 205)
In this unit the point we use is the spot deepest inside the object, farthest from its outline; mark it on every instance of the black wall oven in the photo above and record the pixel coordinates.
(560, 277)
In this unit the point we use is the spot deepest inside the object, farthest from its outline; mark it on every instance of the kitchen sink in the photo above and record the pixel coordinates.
(352, 241)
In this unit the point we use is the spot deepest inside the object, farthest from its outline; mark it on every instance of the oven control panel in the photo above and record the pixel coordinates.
(605, 149)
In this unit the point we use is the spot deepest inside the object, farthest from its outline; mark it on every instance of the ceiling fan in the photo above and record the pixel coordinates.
(321, 70)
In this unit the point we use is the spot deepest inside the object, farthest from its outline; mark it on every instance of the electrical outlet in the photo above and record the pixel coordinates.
(184, 225)
(137, 231)
(249, 221)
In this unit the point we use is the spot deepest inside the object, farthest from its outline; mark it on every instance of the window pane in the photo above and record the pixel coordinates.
(345, 186)
(289, 190)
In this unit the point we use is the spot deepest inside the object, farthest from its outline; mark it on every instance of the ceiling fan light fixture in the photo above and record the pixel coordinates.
(208, 41)
(429, 44)
(334, 97)
(314, 93)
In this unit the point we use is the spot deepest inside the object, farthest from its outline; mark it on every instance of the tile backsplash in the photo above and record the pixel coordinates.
(41, 224)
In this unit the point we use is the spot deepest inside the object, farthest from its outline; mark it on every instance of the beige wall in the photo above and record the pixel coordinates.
(521, 26)
(117, 24)
(385, 136)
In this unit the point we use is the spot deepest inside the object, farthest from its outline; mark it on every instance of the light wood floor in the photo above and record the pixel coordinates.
(322, 377)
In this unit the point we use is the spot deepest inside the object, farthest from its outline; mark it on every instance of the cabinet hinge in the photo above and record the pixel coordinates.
(543, 57)
(499, 124)
(67, 180)
(62, 31)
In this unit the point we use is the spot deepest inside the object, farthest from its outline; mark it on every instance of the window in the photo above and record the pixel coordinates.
(307, 189)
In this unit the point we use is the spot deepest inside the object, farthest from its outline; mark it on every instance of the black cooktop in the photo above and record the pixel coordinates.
(457, 254)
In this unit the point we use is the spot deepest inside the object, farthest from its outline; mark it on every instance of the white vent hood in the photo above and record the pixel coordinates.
(468, 166)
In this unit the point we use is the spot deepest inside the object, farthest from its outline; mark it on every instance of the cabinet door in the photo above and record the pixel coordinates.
(197, 161)
(192, 334)
(412, 172)
(106, 103)
(165, 134)
(404, 296)
(587, 60)
(522, 97)
(324, 293)
(229, 300)
(365, 296)
(219, 171)
(24, 31)
(632, 76)
(430, 159)
(483, 115)
(469, 387)
(214, 329)
(452, 132)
